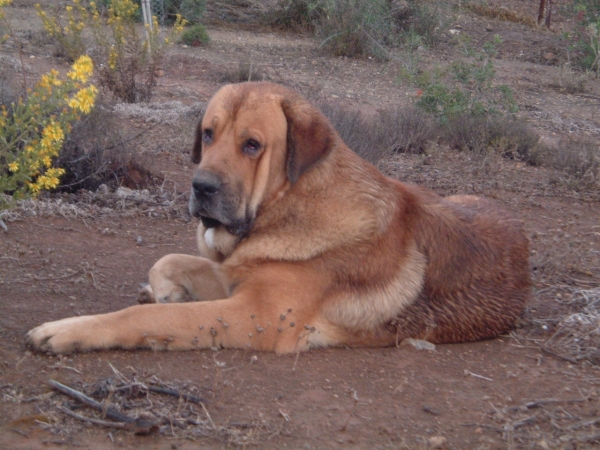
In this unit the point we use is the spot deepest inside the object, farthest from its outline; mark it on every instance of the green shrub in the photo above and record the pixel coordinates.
(585, 34)
(190, 10)
(195, 35)
(427, 20)
(363, 27)
(356, 27)
(463, 87)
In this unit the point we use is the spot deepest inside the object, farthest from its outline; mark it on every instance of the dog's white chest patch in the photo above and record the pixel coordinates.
(209, 238)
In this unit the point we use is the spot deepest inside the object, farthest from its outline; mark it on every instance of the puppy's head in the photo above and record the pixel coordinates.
(253, 139)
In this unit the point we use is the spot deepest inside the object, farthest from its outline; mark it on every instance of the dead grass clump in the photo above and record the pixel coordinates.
(402, 130)
(500, 13)
(96, 153)
(363, 27)
(170, 113)
(569, 81)
(296, 15)
(354, 129)
(244, 71)
(405, 129)
(578, 158)
(506, 136)
(577, 336)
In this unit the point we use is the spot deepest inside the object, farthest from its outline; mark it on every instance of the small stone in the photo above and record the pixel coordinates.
(103, 189)
(543, 444)
(438, 441)
(138, 240)
(417, 344)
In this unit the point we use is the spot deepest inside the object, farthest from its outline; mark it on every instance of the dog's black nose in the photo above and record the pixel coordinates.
(206, 183)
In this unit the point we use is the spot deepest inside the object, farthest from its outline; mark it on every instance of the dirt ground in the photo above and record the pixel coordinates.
(87, 253)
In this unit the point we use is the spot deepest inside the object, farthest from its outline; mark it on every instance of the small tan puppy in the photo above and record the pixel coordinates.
(307, 245)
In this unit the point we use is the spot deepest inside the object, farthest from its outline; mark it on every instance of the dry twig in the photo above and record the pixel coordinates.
(139, 426)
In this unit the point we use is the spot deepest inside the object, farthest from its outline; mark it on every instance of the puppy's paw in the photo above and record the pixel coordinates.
(62, 336)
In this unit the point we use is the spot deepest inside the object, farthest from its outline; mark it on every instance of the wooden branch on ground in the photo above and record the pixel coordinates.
(138, 426)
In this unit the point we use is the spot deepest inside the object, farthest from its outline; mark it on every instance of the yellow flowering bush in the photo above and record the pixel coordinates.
(127, 59)
(68, 37)
(33, 129)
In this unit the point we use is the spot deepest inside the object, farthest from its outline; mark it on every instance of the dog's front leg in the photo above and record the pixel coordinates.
(177, 278)
(237, 322)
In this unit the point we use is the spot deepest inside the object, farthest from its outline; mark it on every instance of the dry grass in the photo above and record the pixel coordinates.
(568, 81)
(399, 130)
(176, 409)
(160, 202)
(500, 13)
(577, 336)
(244, 71)
(505, 136)
(96, 152)
(577, 160)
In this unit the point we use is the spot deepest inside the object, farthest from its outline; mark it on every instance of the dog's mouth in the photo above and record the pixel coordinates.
(209, 222)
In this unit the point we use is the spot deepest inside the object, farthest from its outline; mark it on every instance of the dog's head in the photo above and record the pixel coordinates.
(254, 140)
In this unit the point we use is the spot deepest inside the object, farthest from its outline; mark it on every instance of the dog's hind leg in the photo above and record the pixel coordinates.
(178, 278)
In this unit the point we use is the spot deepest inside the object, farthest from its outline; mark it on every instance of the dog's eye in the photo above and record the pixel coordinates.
(207, 136)
(251, 147)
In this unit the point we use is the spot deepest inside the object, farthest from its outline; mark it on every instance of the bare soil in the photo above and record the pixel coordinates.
(87, 254)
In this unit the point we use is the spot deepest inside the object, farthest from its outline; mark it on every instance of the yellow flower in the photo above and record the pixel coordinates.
(82, 69)
(4, 3)
(112, 58)
(84, 99)
(35, 188)
(13, 166)
(54, 132)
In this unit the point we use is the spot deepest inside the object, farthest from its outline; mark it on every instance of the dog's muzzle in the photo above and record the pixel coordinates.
(215, 203)
(204, 201)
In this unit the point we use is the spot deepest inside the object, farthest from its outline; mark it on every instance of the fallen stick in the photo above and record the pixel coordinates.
(138, 426)
(558, 355)
(176, 393)
(166, 391)
(545, 401)
(102, 423)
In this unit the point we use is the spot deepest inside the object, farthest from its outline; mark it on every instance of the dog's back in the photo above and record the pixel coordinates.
(477, 278)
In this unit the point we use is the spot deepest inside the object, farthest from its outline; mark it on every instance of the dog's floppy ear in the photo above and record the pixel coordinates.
(197, 148)
(310, 136)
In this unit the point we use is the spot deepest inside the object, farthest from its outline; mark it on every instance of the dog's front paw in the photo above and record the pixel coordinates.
(62, 336)
(145, 294)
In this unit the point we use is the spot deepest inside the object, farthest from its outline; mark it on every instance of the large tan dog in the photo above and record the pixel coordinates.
(310, 246)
